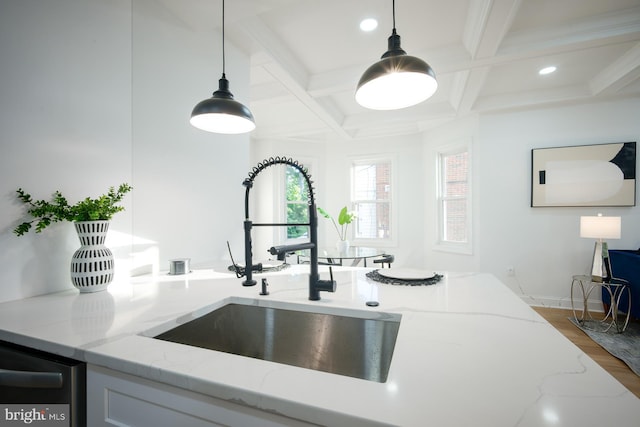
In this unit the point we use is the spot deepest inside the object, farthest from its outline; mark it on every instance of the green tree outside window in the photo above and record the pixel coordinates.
(297, 203)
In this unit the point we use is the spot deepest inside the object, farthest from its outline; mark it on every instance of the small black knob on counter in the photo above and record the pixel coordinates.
(264, 287)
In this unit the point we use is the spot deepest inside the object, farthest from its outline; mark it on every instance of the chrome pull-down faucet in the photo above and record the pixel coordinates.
(315, 284)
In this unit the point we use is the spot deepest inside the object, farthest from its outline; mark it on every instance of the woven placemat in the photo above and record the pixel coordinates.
(374, 275)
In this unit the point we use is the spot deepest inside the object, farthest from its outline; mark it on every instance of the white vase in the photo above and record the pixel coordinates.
(342, 246)
(92, 265)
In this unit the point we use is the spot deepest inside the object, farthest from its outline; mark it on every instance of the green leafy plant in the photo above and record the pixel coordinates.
(58, 209)
(344, 219)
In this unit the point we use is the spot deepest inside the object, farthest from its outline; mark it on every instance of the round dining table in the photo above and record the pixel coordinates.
(333, 256)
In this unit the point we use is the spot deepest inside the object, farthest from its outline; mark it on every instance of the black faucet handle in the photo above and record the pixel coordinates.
(317, 286)
(326, 285)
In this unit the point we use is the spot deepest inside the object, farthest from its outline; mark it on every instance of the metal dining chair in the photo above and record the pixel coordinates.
(385, 259)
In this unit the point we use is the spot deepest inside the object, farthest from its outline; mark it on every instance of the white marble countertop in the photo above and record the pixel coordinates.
(468, 351)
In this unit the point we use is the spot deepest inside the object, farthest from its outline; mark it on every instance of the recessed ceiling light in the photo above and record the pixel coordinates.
(368, 24)
(547, 70)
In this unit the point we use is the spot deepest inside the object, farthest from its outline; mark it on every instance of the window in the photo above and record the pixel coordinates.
(371, 198)
(297, 207)
(453, 199)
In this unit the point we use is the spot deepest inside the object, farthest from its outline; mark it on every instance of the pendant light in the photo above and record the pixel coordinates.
(221, 113)
(397, 80)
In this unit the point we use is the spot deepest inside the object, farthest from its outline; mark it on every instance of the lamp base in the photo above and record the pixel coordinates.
(601, 265)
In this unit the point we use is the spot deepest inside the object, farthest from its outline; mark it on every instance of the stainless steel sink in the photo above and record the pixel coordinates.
(357, 344)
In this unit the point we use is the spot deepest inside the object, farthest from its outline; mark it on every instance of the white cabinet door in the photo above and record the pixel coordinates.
(117, 399)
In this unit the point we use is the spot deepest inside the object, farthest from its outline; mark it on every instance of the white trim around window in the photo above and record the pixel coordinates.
(391, 238)
(463, 245)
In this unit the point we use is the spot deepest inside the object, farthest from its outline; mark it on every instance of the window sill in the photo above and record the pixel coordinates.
(461, 249)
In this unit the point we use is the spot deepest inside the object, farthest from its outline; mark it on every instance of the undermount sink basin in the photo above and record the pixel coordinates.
(356, 344)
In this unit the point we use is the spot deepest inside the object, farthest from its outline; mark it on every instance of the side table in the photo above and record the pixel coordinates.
(581, 289)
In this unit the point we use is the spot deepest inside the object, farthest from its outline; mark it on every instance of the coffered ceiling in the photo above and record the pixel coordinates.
(308, 55)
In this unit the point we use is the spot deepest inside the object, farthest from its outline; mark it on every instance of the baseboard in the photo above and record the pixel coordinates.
(563, 302)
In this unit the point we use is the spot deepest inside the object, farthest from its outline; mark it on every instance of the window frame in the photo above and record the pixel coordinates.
(393, 224)
(446, 245)
(281, 195)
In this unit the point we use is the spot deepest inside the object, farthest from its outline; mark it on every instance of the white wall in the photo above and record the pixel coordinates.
(332, 176)
(188, 183)
(97, 93)
(408, 187)
(65, 80)
(541, 244)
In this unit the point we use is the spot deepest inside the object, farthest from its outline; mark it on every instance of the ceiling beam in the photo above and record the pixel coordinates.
(468, 85)
(513, 47)
(487, 23)
(612, 27)
(287, 70)
(525, 99)
(618, 74)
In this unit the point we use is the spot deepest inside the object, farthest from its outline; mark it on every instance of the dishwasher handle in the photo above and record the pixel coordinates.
(26, 379)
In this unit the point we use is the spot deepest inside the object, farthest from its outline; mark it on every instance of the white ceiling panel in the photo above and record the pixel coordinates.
(308, 55)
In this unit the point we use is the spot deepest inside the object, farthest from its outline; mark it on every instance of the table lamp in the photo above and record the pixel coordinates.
(600, 227)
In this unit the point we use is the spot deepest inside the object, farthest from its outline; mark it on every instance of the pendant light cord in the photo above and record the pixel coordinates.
(393, 3)
(223, 61)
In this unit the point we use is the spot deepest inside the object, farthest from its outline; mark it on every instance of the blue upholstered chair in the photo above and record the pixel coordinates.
(625, 264)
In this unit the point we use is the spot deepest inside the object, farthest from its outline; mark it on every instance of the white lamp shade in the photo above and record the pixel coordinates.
(600, 227)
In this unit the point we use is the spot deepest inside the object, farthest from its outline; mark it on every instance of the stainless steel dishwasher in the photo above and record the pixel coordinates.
(40, 388)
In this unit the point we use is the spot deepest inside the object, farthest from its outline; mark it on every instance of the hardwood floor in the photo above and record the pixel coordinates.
(559, 319)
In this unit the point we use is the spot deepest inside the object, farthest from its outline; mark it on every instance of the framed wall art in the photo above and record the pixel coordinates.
(585, 175)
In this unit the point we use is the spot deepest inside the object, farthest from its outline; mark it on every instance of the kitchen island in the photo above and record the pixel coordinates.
(468, 352)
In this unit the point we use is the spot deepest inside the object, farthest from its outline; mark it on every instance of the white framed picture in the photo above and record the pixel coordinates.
(584, 175)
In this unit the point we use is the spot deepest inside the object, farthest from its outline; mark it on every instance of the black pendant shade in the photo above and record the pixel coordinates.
(221, 113)
(396, 81)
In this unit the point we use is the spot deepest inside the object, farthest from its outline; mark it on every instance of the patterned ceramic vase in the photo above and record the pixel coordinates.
(92, 264)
